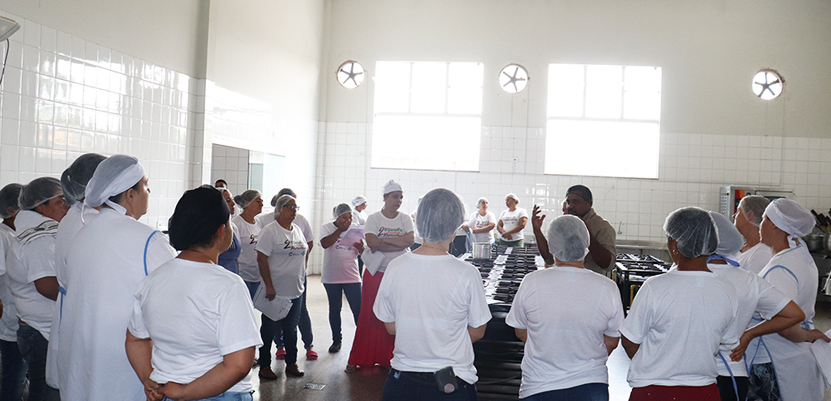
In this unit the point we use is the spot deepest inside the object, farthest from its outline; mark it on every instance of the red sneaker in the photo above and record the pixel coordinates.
(280, 354)
(311, 354)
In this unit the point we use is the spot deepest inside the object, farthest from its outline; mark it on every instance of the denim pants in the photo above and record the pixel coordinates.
(226, 396)
(585, 392)
(289, 326)
(14, 371)
(33, 347)
(252, 287)
(353, 297)
(305, 324)
(417, 386)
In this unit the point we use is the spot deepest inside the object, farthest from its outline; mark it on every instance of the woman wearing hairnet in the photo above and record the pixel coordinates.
(435, 321)
(511, 223)
(783, 366)
(33, 276)
(569, 318)
(74, 183)
(251, 202)
(754, 255)
(340, 270)
(201, 348)
(481, 223)
(388, 233)
(106, 261)
(773, 310)
(678, 319)
(14, 370)
(358, 210)
(281, 255)
(229, 258)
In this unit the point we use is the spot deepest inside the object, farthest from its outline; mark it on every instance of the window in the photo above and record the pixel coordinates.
(603, 120)
(428, 115)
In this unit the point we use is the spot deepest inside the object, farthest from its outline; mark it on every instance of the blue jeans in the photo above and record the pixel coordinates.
(289, 326)
(305, 324)
(14, 371)
(353, 297)
(252, 287)
(226, 396)
(585, 392)
(417, 386)
(33, 347)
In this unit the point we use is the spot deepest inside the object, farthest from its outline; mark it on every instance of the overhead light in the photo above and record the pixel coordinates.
(7, 28)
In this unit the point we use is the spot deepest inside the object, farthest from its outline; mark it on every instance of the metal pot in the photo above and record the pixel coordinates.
(815, 242)
(826, 243)
(482, 250)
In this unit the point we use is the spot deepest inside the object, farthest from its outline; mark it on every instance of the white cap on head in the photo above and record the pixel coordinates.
(512, 196)
(730, 240)
(113, 176)
(358, 201)
(791, 218)
(568, 238)
(392, 186)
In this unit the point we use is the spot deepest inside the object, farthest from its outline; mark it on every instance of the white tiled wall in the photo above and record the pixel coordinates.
(230, 164)
(63, 96)
(692, 168)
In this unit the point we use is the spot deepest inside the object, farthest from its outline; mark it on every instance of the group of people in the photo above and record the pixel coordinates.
(96, 303)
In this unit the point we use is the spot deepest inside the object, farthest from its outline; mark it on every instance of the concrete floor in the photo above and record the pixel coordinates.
(368, 384)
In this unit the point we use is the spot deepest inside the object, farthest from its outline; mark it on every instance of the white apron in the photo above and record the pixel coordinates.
(104, 267)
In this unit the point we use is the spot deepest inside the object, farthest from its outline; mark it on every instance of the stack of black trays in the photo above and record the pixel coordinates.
(632, 270)
(499, 353)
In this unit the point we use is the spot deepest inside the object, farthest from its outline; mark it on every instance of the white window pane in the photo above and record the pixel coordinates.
(392, 87)
(426, 142)
(603, 91)
(642, 106)
(642, 79)
(565, 90)
(609, 141)
(429, 88)
(467, 75)
(464, 101)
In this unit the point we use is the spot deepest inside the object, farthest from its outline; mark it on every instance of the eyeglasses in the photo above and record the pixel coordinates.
(295, 207)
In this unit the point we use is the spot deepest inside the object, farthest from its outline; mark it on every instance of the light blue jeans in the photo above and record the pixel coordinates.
(226, 396)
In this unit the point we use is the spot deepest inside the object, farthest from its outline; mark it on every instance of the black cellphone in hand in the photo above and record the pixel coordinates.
(446, 380)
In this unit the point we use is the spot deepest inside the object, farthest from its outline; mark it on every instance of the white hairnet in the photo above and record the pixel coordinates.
(341, 209)
(392, 186)
(38, 192)
(8, 200)
(244, 199)
(730, 240)
(75, 178)
(791, 218)
(358, 201)
(568, 238)
(755, 204)
(113, 176)
(694, 230)
(512, 196)
(482, 199)
(281, 201)
(439, 215)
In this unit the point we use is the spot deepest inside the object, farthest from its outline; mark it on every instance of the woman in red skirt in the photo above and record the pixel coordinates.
(389, 234)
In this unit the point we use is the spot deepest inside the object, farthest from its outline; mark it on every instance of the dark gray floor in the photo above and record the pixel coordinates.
(368, 384)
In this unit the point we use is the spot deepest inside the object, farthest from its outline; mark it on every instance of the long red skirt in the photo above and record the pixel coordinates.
(372, 344)
(675, 393)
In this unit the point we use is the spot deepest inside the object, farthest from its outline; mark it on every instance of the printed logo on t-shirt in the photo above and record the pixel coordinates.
(296, 244)
(510, 219)
(387, 232)
(253, 239)
(343, 247)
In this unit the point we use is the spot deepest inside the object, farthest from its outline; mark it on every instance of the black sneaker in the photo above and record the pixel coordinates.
(335, 347)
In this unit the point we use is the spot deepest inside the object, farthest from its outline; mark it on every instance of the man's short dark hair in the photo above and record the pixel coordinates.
(581, 191)
(222, 181)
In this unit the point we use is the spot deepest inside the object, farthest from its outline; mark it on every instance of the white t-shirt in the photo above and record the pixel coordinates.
(286, 251)
(8, 323)
(754, 294)
(510, 220)
(306, 228)
(794, 273)
(383, 227)
(248, 235)
(35, 260)
(679, 319)
(432, 300)
(67, 228)
(340, 261)
(478, 221)
(756, 258)
(359, 217)
(213, 317)
(567, 311)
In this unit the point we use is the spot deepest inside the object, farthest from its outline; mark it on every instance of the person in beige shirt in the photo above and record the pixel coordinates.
(579, 201)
